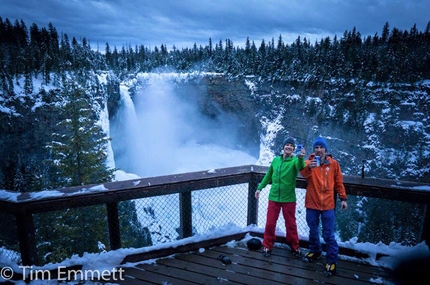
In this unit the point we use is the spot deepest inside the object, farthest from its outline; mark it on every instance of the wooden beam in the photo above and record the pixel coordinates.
(113, 225)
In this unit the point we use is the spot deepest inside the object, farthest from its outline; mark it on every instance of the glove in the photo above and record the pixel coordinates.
(224, 259)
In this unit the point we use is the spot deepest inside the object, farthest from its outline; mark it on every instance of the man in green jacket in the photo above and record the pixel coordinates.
(282, 175)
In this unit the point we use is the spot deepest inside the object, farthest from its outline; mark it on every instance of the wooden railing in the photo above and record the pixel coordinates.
(23, 206)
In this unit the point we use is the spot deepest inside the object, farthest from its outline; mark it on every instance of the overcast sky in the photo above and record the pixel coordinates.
(185, 22)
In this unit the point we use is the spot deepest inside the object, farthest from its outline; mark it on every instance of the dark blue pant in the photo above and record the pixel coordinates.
(328, 220)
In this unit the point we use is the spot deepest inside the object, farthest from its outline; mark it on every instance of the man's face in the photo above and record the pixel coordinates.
(288, 148)
(319, 150)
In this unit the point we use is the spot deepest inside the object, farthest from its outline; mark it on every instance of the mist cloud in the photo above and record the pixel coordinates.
(166, 134)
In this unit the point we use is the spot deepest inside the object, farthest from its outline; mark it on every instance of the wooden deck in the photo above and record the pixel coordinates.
(202, 266)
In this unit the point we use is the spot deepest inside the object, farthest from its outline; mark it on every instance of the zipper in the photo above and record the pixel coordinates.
(279, 179)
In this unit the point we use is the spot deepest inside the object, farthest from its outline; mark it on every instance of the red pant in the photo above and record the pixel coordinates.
(289, 213)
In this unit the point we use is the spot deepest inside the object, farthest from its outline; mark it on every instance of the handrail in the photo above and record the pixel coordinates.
(24, 205)
(95, 194)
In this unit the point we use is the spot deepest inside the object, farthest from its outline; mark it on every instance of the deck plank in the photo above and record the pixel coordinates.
(150, 274)
(347, 272)
(202, 266)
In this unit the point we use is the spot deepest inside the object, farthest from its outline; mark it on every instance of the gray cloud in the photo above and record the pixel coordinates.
(183, 23)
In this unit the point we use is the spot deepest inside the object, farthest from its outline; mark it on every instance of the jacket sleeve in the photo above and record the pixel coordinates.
(338, 183)
(306, 171)
(301, 163)
(267, 179)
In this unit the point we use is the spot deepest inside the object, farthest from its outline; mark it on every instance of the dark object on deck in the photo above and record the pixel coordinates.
(224, 259)
(253, 244)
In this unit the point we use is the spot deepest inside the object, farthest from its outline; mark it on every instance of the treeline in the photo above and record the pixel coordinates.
(393, 56)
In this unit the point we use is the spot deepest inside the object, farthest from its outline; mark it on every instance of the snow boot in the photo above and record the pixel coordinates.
(311, 256)
(330, 269)
(296, 253)
(267, 252)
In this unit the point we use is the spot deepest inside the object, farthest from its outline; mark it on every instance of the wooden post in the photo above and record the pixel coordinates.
(27, 238)
(425, 235)
(252, 201)
(113, 224)
(185, 213)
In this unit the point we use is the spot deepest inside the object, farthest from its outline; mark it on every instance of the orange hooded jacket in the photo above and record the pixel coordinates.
(323, 181)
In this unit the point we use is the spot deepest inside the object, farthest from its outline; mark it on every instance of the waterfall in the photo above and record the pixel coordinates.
(105, 124)
(157, 132)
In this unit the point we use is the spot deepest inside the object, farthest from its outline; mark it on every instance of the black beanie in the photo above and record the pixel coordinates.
(291, 141)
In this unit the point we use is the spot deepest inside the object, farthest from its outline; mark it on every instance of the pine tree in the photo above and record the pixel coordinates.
(79, 148)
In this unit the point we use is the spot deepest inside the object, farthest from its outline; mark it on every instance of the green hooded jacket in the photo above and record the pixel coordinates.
(282, 174)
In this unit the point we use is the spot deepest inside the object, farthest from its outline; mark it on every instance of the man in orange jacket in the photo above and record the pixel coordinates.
(324, 179)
